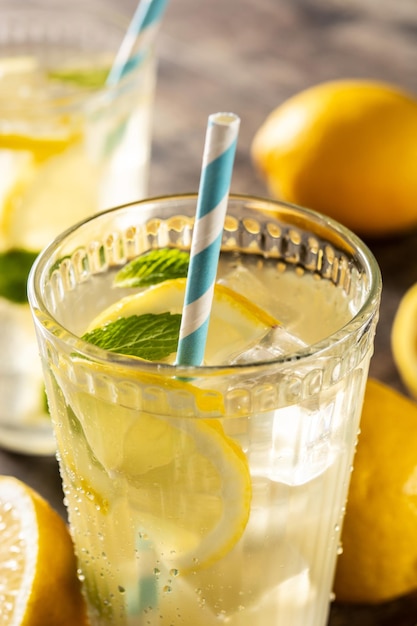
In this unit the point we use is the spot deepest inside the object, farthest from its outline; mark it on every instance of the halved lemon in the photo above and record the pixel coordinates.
(38, 572)
(404, 339)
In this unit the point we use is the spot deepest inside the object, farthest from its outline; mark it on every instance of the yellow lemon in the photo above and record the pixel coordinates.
(379, 537)
(38, 580)
(404, 339)
(348, 149)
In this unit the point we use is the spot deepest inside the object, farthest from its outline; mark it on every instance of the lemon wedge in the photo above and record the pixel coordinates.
(235, 321)
(38, 580)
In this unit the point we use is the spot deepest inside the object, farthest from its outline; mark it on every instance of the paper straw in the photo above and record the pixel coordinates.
(216, 174)
(141, 31)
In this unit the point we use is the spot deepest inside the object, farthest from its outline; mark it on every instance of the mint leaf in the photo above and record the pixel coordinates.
(14, 271)
(150, 336)
(89, 77)
(154, 267)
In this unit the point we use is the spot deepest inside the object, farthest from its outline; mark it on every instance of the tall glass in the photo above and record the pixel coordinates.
(69, 146)
(214, 494)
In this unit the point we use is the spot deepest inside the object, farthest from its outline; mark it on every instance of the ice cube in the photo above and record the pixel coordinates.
(298, 444)
(278, 341)
(264, 292)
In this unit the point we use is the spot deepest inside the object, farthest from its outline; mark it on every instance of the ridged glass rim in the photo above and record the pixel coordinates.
(335, 231)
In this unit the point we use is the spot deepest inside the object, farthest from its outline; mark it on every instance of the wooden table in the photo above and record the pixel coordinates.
(247, 56)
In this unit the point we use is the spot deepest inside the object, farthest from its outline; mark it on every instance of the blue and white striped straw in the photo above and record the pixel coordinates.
(140, 34)
(216, 174)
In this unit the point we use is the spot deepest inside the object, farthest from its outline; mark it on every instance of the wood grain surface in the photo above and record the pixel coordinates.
(247, 56)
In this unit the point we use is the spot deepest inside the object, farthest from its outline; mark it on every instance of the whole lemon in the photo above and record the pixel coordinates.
(345, 148)
(379, 536)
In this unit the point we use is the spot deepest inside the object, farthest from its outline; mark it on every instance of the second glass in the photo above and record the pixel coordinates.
(69, 146)
(215, 494)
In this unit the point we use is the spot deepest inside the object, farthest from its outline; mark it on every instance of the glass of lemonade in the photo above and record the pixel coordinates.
(214, 494)
(69, 146)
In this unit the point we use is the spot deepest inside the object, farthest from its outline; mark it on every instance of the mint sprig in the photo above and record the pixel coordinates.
(153, 267)
(14, 270)
(149, 336)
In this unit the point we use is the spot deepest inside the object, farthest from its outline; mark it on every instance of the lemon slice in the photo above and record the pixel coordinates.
(196, 507)
(38, 580)
(404, 339)
(187, 481)
(53, 185)
(235, 321)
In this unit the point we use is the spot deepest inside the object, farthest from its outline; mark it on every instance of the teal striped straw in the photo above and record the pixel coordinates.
(140, 33)
(218, 158)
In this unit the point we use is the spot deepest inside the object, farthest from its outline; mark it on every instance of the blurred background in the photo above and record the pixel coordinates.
(249, 56)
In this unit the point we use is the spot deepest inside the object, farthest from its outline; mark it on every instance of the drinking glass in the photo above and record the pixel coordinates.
(210, 494)
(69, 147)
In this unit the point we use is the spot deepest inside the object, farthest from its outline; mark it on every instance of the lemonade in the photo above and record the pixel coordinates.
(69, 147)
(213, 494)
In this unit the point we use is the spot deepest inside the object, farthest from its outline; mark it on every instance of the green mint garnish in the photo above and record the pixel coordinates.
(14, 270)
(91, 78)
(154, 267)
(149, 336)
